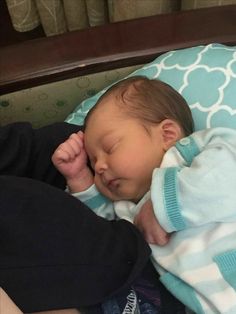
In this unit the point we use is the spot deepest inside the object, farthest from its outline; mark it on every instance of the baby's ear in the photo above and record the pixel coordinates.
(171, 132)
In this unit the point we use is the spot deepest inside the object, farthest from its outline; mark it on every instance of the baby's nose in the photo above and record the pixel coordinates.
(100, 166)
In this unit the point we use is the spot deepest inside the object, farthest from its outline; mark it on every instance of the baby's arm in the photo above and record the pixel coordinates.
(202, 189)
(147, 223)
(70, 158)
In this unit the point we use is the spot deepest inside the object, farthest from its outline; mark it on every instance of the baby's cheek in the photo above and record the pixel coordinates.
(98, 183)
(101, 188)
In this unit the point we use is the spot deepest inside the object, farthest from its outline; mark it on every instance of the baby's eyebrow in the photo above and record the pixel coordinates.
(106, 137)
(109, 139)
(107, 134)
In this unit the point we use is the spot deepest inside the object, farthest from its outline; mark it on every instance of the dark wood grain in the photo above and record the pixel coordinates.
(45, 60)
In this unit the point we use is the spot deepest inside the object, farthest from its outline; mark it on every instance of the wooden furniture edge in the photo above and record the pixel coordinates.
(114, 45)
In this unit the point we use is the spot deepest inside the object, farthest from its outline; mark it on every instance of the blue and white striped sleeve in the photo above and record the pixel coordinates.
(203, 191)
(98, 203)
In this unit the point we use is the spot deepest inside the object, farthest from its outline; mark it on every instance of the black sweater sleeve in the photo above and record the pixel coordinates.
(26, 152)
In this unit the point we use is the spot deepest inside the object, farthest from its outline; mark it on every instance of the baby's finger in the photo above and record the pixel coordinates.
(81, 135)
(61, 155)
(160, 239)
(68, 148)
(75, 145)
(78, 138)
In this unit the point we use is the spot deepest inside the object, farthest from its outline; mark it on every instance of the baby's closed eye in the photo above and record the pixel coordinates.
(109, 148)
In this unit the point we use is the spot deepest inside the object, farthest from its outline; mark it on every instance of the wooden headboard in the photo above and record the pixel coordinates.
(110, 46)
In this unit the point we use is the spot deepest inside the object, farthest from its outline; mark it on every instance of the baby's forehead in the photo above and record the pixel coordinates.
(121, 94)
(108, 105)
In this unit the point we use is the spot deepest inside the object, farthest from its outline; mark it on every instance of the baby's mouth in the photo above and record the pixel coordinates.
(112, 182)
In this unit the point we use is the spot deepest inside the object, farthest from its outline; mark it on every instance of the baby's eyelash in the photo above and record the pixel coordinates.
(110, 149)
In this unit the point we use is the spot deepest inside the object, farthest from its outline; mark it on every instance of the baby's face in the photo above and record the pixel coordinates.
(123, 153)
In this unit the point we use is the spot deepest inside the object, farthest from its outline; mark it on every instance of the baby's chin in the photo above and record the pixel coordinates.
(130, 198)
(114, 197)
(120, 195)
(107, 193)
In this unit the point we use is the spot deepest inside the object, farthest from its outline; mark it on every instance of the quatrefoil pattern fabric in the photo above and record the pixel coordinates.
(204, 75)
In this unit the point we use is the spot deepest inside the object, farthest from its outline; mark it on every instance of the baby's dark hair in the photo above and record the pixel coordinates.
(151, 101)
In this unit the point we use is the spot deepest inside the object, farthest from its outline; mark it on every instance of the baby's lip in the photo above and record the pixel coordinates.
(110, 182)
(113, 182)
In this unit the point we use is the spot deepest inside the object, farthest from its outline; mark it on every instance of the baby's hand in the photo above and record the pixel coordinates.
(70, 158)
(147, 223)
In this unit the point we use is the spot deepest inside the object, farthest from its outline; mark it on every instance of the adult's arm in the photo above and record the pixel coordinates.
(26, 152)
(56, 253)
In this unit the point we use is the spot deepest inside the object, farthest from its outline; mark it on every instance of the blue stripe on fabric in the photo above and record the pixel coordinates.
(188, 151)
(182, 291)
(96, 201)
(227, 266)
(192, 261)
(226, 261)
(171, 200)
